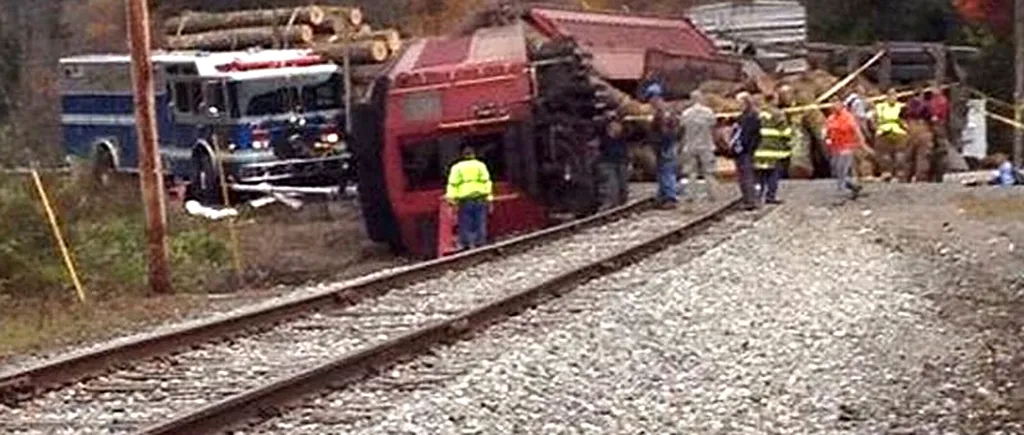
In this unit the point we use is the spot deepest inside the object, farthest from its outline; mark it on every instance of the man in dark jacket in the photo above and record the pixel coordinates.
(613, 167)
(746, 140)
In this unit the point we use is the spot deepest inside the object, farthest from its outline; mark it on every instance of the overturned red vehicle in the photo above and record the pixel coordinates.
(528, 111)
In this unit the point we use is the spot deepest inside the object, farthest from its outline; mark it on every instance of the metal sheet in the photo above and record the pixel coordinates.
(619, 41)
(759, 21)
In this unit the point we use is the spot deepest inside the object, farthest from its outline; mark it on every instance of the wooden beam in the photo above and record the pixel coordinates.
(1018, 96)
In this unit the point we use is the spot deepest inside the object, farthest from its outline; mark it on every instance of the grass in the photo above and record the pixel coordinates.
(104, 229)
(1009, 207)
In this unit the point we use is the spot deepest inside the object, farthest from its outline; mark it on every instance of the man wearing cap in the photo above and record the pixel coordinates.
(665, 128)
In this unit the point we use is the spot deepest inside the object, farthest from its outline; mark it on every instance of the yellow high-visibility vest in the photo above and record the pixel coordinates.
(776, 140)
(889, 118)
(469, 179)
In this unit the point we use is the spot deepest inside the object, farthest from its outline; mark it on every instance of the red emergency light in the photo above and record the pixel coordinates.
(238, 65)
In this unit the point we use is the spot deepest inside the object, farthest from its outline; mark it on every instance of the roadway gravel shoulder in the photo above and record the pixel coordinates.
(880, 316)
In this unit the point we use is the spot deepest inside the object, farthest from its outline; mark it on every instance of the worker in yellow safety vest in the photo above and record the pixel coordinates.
(891, 138)
(471, 191)
(776, 146)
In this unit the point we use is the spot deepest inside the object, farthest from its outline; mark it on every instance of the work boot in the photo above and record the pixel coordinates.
(668, 205)
(856, 190)
(774, 201)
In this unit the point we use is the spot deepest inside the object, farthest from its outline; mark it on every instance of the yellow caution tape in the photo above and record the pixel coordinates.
(989, 98)
(792, 110)
(1005, 120)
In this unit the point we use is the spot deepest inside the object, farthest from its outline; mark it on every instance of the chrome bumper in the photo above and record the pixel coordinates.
(280, 170)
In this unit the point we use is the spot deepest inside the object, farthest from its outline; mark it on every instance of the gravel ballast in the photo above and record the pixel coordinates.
(129, 399)
(811, 321)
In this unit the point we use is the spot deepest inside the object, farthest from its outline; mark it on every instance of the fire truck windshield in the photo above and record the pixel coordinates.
(283, 95)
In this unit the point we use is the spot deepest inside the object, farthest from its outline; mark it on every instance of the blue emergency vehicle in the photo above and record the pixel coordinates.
(268, 116)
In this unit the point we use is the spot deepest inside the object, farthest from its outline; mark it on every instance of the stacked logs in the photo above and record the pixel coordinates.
(329, 30)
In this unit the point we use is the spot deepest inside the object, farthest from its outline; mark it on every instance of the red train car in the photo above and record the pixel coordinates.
(442, 94)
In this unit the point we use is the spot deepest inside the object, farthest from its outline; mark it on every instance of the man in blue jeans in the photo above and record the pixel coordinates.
(746, 140)
(470, 190)
(666, 129)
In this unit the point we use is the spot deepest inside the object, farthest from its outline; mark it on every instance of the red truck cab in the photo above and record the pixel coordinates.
(440, 95)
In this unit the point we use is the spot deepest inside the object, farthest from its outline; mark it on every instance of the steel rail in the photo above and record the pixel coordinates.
(23, 383)
(265, 400)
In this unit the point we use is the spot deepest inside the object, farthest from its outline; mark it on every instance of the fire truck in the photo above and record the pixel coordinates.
(529, 110)
(265, 116)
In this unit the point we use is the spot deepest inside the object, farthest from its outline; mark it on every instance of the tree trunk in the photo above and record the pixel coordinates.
(625, 104)
(236, 39)
(360, 52)
(389, 37)
(342, 21)
(353, 16)
(199, 22)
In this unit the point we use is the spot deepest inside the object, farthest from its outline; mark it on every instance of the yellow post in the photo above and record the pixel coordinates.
(58, 236)
(236, 256)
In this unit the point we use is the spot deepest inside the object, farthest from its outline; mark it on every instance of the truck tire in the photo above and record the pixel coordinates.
(205, 180)
(102, 168)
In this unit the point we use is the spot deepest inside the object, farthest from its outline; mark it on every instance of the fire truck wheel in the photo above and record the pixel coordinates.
(205, 180)
(103, 170)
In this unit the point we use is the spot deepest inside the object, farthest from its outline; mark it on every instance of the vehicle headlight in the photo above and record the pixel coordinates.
(332, 138)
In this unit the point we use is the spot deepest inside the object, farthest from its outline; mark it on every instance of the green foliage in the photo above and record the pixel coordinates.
(867, 21)
(105, 232)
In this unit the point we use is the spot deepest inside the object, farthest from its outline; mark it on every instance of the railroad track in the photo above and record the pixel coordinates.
(229, 380)
(153, 366)
(232, 380)
(24, 382)
(383, 402)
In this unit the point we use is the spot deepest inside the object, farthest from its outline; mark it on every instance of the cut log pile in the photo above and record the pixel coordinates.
(329, 30)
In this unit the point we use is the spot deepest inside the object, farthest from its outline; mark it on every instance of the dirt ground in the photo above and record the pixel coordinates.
(279, 248)
(322, 241)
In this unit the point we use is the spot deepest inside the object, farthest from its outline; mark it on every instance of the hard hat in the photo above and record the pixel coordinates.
(653, 90)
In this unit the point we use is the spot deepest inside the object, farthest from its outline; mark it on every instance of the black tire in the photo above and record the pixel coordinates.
(102, 168)
(205, 181)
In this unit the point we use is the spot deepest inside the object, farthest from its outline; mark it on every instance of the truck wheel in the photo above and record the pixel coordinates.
(205, 182)
(103, 170)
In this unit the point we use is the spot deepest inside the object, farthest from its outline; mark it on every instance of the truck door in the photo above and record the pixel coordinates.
(186, 97)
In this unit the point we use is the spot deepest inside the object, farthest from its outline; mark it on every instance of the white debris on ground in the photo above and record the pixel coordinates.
(807, 323)
(195, 208)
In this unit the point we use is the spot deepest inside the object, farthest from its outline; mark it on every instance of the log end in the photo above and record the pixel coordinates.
(356, 17)
(379, 51)
(317, 16)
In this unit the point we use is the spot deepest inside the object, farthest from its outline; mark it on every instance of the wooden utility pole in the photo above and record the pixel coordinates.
(1018, 95)
(150, 173)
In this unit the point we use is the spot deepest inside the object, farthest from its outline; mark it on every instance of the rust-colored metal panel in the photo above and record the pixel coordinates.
(682, 74)
(441, 52)
(618, 41)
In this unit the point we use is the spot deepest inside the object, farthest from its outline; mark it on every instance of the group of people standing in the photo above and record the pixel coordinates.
(695, 125)
(764, 136)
